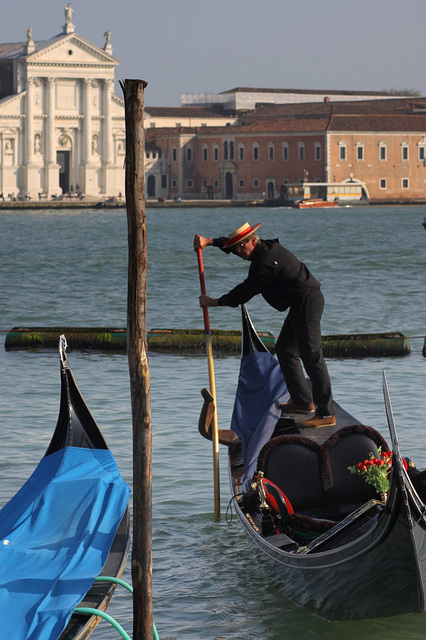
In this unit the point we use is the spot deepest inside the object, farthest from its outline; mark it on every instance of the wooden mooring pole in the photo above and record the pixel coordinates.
(143, 618)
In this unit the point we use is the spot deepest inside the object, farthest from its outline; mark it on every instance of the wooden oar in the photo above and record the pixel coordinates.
(215, 431)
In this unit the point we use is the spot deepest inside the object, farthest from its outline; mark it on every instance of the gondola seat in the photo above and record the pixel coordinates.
(315, 478)
(344, 491)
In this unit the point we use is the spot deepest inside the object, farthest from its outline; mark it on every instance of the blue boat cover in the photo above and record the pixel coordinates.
(261, 388)
(55, 536)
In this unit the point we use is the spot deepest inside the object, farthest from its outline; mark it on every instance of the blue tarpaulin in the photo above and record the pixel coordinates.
(261, 388)
(55, 536)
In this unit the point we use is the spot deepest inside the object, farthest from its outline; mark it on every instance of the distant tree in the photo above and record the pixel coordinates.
(414, 93)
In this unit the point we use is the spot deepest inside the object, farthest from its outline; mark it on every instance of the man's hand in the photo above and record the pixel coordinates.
(201, 243)
(206, 301)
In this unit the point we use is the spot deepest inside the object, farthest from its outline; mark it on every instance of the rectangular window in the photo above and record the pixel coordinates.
(174, 183)
(189, 154)
(317, 152)
(404, 152)
(205, 154)
(255, 183)
(301, 152)
(285, 152)
(174, 154)
(405, 183)
(422, 155)
(383, 183)
(164, 181)
(342, 153)
(382, 153)
(189, 183)
(216, 183)
(360, 153)
(216, 154)
(241, 182)
(241, 153)
(271, 153)
(255, 153)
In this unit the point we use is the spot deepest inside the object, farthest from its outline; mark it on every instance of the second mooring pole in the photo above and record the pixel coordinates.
(140, 392)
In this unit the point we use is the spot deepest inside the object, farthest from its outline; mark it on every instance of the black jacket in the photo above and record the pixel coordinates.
(275, 273)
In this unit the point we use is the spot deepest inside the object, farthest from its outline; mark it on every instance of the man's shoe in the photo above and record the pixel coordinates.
(319, 421)
(290, 407)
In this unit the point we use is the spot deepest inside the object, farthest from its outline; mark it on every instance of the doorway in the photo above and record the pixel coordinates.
(151, 186)
(229, 185)
(270, 190)
(63, 160)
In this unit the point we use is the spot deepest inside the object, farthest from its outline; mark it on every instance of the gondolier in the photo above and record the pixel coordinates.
(285, 283)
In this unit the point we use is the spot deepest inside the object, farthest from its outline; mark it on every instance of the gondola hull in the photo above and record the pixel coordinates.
(67, 524)
(368, 563)
(377, 575)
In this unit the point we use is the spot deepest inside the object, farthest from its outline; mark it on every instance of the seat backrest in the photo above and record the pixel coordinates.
(293, 464)
(345, 448)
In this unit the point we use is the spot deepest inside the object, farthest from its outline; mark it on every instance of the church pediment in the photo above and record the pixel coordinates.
(71, 50)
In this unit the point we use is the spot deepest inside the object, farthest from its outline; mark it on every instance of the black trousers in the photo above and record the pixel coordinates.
(300, 340)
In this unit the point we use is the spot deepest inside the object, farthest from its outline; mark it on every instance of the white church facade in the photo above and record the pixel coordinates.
(62, 128)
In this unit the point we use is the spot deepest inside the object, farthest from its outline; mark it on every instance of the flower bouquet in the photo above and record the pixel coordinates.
(375, 471)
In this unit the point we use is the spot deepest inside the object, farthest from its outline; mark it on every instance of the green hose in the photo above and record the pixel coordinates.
(106, 616)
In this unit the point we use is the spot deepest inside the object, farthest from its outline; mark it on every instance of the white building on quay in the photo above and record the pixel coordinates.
(61, 125)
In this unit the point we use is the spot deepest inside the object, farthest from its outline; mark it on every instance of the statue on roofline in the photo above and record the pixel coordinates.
(68, 13)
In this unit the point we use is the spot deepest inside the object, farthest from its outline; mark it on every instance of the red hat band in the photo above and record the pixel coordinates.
(239, 234)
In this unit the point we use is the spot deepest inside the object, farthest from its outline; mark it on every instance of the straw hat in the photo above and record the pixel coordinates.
(240, 234)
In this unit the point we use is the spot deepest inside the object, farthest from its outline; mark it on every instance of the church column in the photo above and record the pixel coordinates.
(30, 184)
(29, 123)
(107, 141)
(87, 171)
(50, 133)
(51, 169)
(87, 125)
(109, 186)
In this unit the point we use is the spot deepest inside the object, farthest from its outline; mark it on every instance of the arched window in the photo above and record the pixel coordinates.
(285, 151)
(317, 151)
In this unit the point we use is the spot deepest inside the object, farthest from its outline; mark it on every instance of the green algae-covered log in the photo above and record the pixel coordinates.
(366, 345)
(108, 339)
(226, 341)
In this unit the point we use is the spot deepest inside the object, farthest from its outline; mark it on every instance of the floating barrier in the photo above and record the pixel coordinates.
(110, 339)
(107, 339)
(366, 345)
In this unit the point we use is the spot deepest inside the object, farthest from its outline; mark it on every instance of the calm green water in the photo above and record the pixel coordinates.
(70, 268)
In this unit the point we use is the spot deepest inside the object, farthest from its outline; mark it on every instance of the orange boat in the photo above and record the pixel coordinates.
(314, 203)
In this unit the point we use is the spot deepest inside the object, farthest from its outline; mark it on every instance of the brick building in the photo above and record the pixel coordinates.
(376, 144)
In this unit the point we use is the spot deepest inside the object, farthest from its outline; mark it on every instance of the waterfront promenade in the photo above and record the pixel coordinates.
(8, 205)
(111, 204)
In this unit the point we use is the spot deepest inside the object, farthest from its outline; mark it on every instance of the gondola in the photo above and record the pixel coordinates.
(65, 526)
(329, 542)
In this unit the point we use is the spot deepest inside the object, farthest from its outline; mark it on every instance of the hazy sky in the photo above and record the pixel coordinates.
(214, 45)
